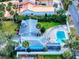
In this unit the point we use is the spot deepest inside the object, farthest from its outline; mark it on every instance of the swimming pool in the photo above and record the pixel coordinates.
(29, 12)
(34, 45)
(60, 36)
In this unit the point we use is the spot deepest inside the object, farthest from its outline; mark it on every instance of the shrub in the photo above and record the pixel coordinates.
(38, 26)
(25, 44)
(43, 30)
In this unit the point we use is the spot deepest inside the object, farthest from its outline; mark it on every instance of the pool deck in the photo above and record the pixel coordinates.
(51, 33)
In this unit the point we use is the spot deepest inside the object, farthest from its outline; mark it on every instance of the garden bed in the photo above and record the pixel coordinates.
(48, 57)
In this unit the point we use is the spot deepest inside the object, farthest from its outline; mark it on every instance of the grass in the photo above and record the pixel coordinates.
(48, 57)
(48, 24)
(9, 27)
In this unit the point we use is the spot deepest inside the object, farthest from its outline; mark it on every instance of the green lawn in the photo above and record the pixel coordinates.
(48, 24)
(48, 57)
(9, 27)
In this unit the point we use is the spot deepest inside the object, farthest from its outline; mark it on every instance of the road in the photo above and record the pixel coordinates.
(75, 16)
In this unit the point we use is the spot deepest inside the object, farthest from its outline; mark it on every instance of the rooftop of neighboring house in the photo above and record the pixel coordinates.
(36, 8)
(39, 8)
(47, 2)
(30, 6)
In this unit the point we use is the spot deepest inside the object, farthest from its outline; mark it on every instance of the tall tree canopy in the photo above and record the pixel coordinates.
(4, 0)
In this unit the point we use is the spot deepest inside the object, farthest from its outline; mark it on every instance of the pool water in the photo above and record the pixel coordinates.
(29, 12)
(60, 36)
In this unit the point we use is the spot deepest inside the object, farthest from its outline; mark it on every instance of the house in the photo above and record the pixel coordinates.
(38, 6)
(41, 2)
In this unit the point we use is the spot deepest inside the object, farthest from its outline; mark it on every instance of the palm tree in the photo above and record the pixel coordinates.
(12, 12)
(4, 0)
(8, 8)
(11, 9)
(14, 7)
(10, 4)
(38, 26)
(25, 44)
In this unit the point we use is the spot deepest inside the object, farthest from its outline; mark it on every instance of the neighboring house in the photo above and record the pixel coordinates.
(37, 7)
(42, 2)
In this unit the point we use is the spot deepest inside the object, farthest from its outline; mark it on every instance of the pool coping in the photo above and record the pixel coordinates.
(41, 53)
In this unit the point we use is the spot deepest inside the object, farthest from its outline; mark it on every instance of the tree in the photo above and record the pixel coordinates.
(67, 54)
(75, 45)
(61, 12)
(15, 17)
(66, 4)
(9, 51)
(14, 7)
(25, 44)
(8, 8)
(4, 0)
(72, 43)
(2, 7)
(1, 17)
(10, 4)
(12, 12)
(38, 26)
(42, 30)
(3, 38)
(8, 28)
(21, 17)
